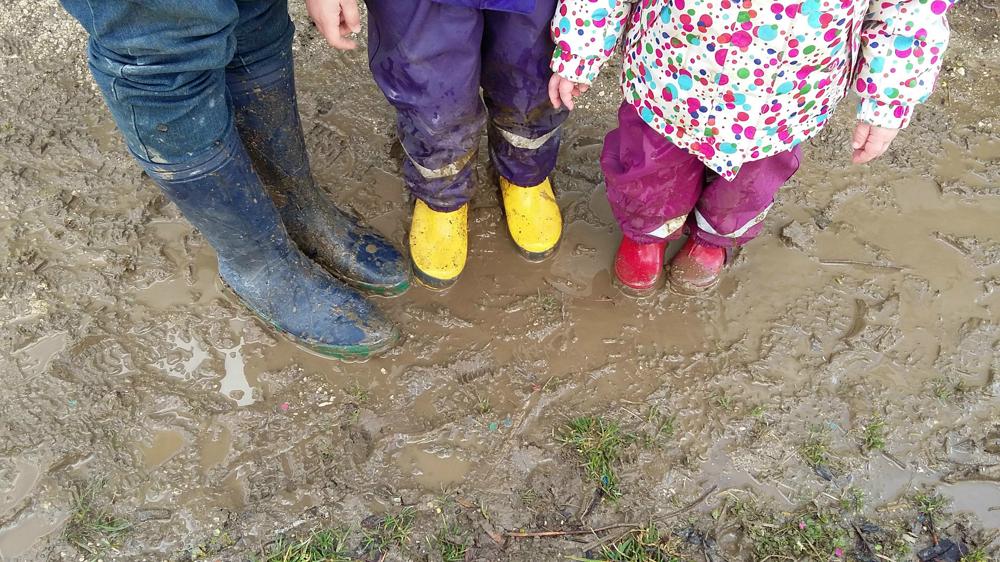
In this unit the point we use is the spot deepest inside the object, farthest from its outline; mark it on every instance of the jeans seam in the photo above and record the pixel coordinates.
(93, 17)
(132, 120)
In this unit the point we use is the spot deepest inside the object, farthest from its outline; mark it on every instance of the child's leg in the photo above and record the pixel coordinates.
(731, 212)
(652, 185)
(425, 58)
(524, 127)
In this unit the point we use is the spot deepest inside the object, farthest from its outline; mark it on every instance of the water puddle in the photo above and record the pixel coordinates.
(434, 468)
(17, 540)
(34, 358)
(184, 368)
(25, 481)
(234, 384)
(214, 447)
(165, 445)
(889, 482)
(981, 499)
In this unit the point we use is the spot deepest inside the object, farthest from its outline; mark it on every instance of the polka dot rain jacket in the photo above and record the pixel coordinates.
(734, 82)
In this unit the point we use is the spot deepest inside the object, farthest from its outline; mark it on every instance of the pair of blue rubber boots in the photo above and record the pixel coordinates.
(290, 255)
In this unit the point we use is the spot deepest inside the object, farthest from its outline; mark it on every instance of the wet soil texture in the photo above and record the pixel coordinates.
(866, 316)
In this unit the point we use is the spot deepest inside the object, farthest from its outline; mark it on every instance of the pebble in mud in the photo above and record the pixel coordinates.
(798, 235)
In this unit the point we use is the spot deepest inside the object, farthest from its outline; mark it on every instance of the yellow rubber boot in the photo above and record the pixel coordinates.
(439, 242)
(533, 218)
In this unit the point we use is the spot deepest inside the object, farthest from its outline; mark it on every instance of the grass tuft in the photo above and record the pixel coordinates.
(946, 389)
(978, 555)
(320, 546)
(483, 405)
(659, 427)
(391, 530)
(645, 544)
(852, 500)
(358, 393)
(92, 529)
(725, 401)
(451, 544)
(929, 503)
(816, 449)
(600, 443)
(873, 435)
(810, 534)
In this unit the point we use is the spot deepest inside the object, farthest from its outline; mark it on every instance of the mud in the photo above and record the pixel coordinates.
(872, 295)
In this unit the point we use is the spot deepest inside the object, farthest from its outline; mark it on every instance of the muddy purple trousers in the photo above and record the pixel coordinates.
(656, 187)
(431, 60)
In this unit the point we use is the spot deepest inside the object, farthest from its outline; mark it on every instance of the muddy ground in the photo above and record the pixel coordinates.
(846, 376)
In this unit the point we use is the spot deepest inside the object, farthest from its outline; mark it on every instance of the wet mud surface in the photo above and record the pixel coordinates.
(865, 319)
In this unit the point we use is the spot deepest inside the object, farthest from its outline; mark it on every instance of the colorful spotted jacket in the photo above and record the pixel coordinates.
(736, 81)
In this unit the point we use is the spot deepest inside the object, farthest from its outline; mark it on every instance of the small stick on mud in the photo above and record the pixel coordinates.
(608, 539)
(894, 460)
(598, 495)
(860, 264)
(689, 506)
(569, 532)
(868, 545)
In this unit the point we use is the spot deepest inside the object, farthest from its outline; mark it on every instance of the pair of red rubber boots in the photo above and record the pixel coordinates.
(695, 269)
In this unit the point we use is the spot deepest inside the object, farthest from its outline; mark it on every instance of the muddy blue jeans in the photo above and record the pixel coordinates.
(162, 66)
(431, 59)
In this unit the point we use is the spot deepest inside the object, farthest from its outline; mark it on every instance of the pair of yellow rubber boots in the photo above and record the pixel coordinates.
(439, 241)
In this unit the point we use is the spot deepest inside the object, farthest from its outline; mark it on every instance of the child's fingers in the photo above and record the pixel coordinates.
(351, 15)
(327, 17)
(875, 143)
(861, 133)
(566, 93)
(862, 156)
(554, 91)
(870, 151)
(338, 41)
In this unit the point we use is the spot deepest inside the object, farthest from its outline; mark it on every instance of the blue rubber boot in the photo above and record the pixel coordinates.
(267, 118)
(222, 196)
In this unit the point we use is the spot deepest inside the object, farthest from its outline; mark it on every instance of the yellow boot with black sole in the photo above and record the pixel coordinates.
(533, 218)
(439, 244)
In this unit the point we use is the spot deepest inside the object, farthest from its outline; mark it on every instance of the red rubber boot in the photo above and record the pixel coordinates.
(639, 267)
(696, 268)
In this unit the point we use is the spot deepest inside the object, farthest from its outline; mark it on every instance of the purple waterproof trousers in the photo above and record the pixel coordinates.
(431, 59)
(653, 187)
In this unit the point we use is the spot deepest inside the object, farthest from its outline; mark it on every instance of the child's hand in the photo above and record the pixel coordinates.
(871, 141)
(336, 19)
(564, 91)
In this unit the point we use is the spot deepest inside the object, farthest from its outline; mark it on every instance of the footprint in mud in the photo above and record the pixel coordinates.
(359, 445)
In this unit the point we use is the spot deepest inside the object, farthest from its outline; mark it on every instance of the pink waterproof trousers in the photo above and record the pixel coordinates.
(654, 186)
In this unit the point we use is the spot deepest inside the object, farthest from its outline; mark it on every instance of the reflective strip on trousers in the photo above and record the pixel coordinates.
(707, 227)
(445, 171)
(524, 142)
(669, 227)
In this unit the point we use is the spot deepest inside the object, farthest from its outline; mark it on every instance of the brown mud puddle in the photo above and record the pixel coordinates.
(872, 295)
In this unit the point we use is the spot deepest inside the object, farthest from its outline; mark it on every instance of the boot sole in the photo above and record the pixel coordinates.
(387, 291)
(371, 289)
(689, 290)
(432, 283)
(348, 353)
(535, 257)
(640, 293)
